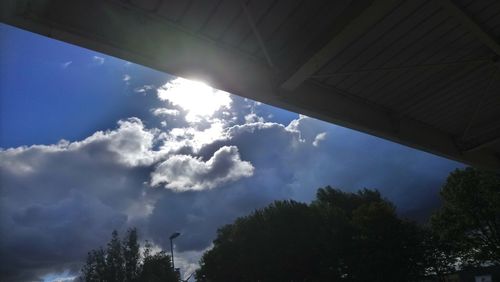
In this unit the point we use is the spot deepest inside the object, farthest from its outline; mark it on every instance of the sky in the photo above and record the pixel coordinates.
(90, 143)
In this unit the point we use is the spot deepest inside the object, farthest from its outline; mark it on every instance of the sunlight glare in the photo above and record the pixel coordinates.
(197, 98)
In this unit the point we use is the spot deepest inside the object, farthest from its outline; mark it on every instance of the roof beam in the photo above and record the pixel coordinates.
(346, 111)
(486, 144)
(404, 68)
(354, 29)
(466, 21)
(486, 135)
(256, 33)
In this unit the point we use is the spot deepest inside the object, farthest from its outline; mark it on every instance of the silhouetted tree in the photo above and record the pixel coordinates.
(276, 243)
(114, 259)
(340, 236)
(470, 216)
(372, 242)
(438, 254)
(131, 256)
(153, 268)
(95, 267)
(122, 261)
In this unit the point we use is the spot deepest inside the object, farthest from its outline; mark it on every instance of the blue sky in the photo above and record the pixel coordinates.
(91, 143)
(48, 100)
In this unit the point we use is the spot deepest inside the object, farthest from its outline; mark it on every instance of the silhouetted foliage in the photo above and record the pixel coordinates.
(131, 256)
(95, 267)
(153, 267)
(340, 236)
(114, 259)
(438, 254)
(469, 219)
(372, 243)
(122, 262)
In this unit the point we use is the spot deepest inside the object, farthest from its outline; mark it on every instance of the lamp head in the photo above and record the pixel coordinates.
(174, 235)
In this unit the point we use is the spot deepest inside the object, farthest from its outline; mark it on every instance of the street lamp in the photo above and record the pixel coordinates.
(172, 237)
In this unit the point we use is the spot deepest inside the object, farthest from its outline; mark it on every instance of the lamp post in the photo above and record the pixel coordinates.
(172, 237)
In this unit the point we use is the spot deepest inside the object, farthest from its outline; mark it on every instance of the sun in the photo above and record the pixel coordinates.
(197, 98)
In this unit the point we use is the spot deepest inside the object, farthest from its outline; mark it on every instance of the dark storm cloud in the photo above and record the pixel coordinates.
(288, 165)
(299, 161)
(60, 201)
(44, 238)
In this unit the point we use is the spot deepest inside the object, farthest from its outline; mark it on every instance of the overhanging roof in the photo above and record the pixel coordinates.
(420, 73)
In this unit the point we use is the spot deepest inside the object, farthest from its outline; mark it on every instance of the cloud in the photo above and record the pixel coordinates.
(165, 112)
(252, 117)
(320, 137)
(78, 192)
(66, 64)
(131, 144)
(192, 139)
(53, 236)
(126, 77)
(293, 167)
(98, 60)
(188, 262)
(100, 182)
(183, 172)
(143, 89)
(59, 201)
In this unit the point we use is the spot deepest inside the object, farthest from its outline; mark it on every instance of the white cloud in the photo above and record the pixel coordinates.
(60, 277)
(165, 112)
(184, 172)
(320, 137)
(188, 262)
(98, 60)
(190, 137)
(252, 117)
(143, 89)
(66, 64)
(131, 142)
(126, 77)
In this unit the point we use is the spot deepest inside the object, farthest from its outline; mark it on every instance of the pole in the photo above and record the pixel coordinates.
(172, 237)
(172, 252)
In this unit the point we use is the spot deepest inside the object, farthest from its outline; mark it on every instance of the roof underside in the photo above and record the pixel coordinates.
(420, 73)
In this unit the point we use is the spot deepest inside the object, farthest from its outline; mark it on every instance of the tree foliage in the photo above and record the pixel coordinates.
(340, 236)
(123, 262)
(470, 215)
(131, 256)
(439, 257)
(114, 259)
(153, 267)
